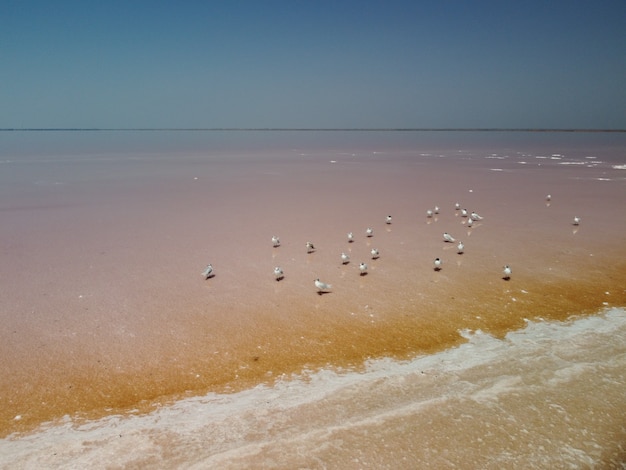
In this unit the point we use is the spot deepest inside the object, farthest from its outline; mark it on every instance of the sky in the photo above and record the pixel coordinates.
(313, 64)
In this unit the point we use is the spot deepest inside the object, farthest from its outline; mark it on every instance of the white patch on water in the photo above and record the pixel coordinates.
(619, 167)
(320, 419)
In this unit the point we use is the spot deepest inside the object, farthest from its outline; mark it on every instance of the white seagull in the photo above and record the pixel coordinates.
(576, 221)
(309, 247)
(436, 210)
(429, 213)
(457, 206)
(448, 238)
(460, 247)
(438, 264)
(363, 268)
(548, 198)
(375, 253)
(279, 273)
(463, 212)
(388, 219)
(345, 259)
(475, 216)
(208, 272)
(369, 232)
(470, 222)
(322, 286)
(506, 273)
(350, 237)
(275, 241)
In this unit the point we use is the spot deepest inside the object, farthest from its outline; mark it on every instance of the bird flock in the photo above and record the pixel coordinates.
(323, 287)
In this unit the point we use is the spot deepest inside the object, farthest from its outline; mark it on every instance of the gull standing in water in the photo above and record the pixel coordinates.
(429, 213)
(309, 247)
(345, 259)
(506, 273)
(475, 216)
(388, 220)
(275, 241)
(457, 206)
(363, 269)
(322, 286)
(463, 212)
(436, 210)
(369, 232)
(438, 264)
(460, 247)
(375, 253)
(470, 222)
(279, 273)
(448, 238)
(576, 221)
(350, 237)
(208, 272)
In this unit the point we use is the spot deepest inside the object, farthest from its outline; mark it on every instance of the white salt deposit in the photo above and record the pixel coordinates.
(496, 394)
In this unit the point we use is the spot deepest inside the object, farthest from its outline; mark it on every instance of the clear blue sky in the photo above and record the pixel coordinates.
(316, 63)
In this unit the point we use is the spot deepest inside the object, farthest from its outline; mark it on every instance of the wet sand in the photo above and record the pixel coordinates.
(104, 310)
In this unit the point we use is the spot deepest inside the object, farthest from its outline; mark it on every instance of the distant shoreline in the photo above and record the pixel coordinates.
(303, 129)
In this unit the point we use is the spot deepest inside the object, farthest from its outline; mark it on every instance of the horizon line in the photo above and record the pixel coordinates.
(306, 129)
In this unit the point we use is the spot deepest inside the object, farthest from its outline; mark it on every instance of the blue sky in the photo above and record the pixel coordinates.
(556, 64)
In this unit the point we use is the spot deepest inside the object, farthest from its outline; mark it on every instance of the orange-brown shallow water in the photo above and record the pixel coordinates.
(104, 310)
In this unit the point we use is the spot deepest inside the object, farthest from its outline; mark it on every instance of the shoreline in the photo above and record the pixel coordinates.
(492, 388)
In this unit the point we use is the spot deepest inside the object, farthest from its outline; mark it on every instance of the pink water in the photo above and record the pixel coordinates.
(104, 311)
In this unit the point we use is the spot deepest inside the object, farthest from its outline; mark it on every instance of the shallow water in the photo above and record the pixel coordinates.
(548, 396)
(105, 312)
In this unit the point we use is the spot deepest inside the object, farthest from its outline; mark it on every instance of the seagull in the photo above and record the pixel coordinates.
(279, 273)
(438, 264)
(576, 221)
(436, 210)
(275, 241)
(369, 232)
(506, 273)
(375, 253)
(447, 237)
(457, 206)
(463, 212)
(459, 248)
(548, 198)
(475, 216)
(470, 222)
(309, 247)
(345, 259)
(429, 213)
(322, 286)
(388, 220)
(208, 272)
(350, 237)
(363, 268)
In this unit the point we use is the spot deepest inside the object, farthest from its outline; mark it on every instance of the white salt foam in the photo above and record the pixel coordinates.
(305, 412)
